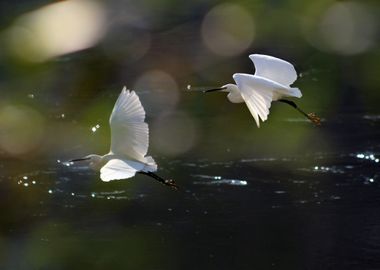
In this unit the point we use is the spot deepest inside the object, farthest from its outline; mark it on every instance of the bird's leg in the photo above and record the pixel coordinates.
(168, 182)
(311, 116)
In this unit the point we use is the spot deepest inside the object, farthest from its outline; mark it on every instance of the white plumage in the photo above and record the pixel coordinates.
(129, 140)
(129, 132)
(129, 143)
(119, 169)
(274, 69)
(271, 82)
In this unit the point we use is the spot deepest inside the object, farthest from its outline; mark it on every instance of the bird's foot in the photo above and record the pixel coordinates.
(171, 183)
(314, 118)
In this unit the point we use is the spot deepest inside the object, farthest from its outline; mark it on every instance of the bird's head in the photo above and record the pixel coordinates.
(230, 88)
(225, 88)
(233, 92)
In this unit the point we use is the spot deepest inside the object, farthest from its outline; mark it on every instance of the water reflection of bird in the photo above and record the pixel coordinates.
(271, 82)
(129, 143)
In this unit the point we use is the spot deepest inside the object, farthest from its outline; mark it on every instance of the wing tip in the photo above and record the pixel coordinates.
(127, 91)
(238, 76)
(263, 56)
(254, 115)
(253, 55)
(256, 56)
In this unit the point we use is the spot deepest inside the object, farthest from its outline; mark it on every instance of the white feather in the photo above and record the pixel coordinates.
(116, 169)
(150, 164)
(258, 94)
(129, 141)
(274, 69)
(129, 132)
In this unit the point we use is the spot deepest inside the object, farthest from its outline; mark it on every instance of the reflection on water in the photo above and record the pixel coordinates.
(372, 117)
(218, 180)
(95, 128)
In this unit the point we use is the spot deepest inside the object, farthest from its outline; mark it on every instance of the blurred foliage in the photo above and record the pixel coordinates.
(75, 91)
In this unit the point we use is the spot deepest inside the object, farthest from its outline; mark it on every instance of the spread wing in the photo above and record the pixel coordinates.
(257, 93)
(273, 68)
(116, 169)
(129, 132)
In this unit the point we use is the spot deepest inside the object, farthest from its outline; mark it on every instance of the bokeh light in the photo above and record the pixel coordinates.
(174, 134)
(131, 45)
(128, 33)
(22, 129)
(228, 29)
(159, 92)
(56, 29)
(345, 28)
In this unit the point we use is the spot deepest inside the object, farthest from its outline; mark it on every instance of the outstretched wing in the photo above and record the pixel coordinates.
(129, 132)
(273, 68)
(257, 93)
(116, 169)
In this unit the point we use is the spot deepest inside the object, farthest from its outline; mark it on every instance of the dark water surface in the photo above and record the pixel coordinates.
(307, 211)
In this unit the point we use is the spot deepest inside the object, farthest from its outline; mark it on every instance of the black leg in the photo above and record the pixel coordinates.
(169, 182)
(311, 116)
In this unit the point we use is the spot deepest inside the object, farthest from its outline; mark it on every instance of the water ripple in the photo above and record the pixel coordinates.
(249, 160)
(372, 117)
(218, 180)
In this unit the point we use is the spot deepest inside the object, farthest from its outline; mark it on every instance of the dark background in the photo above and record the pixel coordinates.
(287, 195)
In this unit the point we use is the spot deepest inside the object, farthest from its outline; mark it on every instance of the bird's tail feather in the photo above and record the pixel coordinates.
(295, 92)
(151, 165)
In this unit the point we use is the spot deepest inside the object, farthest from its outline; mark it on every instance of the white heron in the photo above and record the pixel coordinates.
(271, 82)
(129, 143)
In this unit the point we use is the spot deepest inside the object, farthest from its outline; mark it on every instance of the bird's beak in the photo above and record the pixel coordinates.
(214, 89)
(79, 159)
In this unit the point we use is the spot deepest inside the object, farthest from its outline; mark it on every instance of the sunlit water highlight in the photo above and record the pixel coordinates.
(218, 180)
(353, 169)
(315, 196)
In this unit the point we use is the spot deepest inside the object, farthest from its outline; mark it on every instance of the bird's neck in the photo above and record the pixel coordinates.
(98, 161)
(234, 94)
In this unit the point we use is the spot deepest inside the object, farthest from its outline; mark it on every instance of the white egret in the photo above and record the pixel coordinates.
(271, 82)
(129, 143)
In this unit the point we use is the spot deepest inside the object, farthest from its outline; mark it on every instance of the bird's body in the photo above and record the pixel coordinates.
(129, 143)
(271, 82)
(278, 91)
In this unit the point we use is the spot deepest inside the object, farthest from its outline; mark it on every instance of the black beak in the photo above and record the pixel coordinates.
(190, 88)
(214, 89)
(78, 159)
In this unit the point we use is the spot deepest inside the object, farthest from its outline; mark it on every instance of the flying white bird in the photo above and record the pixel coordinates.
(271, 82)
(129, 143)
